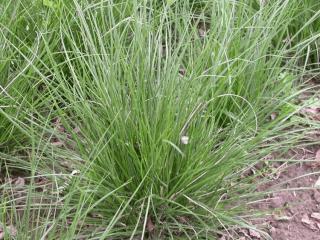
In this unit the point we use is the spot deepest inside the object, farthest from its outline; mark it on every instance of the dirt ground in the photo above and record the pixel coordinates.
(298, 204)
(292, 210)
(295, 214)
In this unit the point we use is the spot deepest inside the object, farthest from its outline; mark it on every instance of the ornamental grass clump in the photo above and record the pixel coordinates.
(159, 107)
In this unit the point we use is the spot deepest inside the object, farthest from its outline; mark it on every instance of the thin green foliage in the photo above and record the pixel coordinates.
(146, 113)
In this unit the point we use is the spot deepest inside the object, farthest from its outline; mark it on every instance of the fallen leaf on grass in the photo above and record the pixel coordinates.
(57, 143)
(96, 215)
(150, 225)
(183, 220)
(19, 182)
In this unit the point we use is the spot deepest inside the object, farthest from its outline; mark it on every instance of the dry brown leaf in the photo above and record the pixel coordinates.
(57, 143)
(96, 215)
(19, 182)
(150, 225)
(183, 220)
(12, 230)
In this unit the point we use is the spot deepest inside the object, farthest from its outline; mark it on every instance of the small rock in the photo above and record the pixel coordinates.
(96, 215)
(316, 196)
(317, 184)
(202, 33)
(75, 172)
(308, 223)
(315, 216)
(254, 234)
(182, 71)
(273, 230)
(318, 155)
(273, 116)
(185, 140)
(306, 220)
(318, 225)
